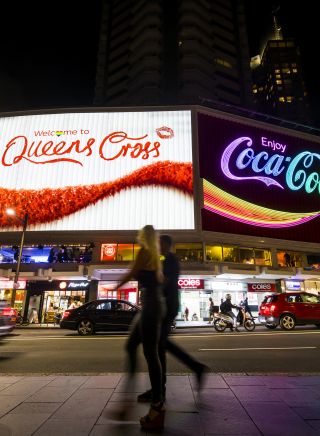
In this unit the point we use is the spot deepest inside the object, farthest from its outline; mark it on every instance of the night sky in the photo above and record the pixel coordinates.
(49, 55)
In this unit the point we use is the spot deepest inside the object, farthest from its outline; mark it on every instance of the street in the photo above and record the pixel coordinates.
(36, 351)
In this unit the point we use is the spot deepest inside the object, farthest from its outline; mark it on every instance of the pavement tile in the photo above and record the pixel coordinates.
(9, 402)
(30, 408)
(5, 430)
(10, 379)
(280, 381)
(52, 394)
(314, 423)
(120, 429)
(275, 419)
(255, 393)
(22, 424)
(68, 380)
(211, 381)
(75, 427)
(133, 411)
(25, 387)
(309, 380)
(312, 411)
(221, 413)
(84, 403)
(182, 424)
(244, 380)
(103, 381)
(298, 396)
(124, 396)
(139, 383)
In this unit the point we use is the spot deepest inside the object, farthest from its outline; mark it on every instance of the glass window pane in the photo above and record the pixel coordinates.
(214, 253)
(125, 252)
(189, 252)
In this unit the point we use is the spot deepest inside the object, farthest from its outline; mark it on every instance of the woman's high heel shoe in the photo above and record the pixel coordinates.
(155, 417)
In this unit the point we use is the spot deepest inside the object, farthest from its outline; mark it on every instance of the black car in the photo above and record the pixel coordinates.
(99, 315)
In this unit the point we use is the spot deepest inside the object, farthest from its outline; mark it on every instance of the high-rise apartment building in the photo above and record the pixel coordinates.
(278, 85)
(173, 52)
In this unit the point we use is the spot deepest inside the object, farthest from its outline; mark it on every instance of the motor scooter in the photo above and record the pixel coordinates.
(223, 321)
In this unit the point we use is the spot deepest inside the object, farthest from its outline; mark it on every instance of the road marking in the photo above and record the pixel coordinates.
(258, 348)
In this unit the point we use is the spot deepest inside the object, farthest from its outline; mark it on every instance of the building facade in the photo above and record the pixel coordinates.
(279, 87)
(173, 52)
(239, 197)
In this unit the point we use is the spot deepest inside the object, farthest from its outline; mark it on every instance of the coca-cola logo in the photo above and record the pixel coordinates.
(111, 147)
(191, 283)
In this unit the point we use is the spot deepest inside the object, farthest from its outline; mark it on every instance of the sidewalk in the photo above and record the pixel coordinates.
(78, 405)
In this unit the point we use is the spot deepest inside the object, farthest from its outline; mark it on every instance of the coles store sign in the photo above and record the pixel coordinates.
(261, 287)
(187, 283)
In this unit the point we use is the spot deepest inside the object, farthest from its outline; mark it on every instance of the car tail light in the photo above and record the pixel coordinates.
(66, 314)
(8, 311)
(272, 308)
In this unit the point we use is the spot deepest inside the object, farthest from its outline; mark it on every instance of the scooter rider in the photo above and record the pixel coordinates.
(226, 309)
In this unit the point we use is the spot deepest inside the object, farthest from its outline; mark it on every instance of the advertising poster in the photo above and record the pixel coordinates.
(257, 181)
(97, 171)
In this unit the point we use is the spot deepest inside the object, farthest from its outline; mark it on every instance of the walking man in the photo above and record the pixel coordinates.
(171, 270)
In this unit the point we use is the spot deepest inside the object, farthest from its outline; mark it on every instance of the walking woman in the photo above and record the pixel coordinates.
(146, 326)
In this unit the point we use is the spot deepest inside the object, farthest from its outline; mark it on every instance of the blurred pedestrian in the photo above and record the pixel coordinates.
(186, 314)
(146, 326)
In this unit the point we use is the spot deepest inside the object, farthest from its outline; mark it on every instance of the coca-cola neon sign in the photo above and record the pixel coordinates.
(299, 171)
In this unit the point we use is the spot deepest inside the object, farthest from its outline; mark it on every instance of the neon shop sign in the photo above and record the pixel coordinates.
(298, 171)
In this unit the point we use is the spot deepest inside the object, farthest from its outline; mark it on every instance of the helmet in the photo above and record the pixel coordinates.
(228, 296)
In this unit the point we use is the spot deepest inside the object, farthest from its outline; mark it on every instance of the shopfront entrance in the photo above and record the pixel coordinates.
(6, 287)
(128, 292)
(46, 301)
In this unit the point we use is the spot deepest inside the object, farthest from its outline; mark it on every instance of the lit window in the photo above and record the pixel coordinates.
(294, 70)
(278, 76)
(277, 71)
(282, 99)
(278, 82)
(255, 90)
(289, 99)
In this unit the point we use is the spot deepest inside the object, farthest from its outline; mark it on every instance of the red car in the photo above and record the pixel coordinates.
(290, 309)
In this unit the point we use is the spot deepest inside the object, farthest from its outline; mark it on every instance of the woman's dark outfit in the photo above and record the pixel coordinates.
(146, 328)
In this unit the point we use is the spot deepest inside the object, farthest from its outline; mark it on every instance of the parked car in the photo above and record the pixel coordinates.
(290, 309)
(99, 315)
(8, 318)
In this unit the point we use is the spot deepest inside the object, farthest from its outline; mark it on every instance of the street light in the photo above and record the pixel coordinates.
(24, 222)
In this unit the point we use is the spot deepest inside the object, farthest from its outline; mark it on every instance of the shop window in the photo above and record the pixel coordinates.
(289, 259)
(125, 252)
(246, 255)
(262, 257)
(213, 253)
(136, 249)
(189, 252)
(230, 254)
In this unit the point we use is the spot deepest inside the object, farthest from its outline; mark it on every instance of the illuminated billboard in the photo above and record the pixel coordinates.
(97, 171)
(258, 181)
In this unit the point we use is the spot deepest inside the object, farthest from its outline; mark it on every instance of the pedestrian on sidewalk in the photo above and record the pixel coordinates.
(211, 310)
(186, 314)
(171, 271)
(146, 325)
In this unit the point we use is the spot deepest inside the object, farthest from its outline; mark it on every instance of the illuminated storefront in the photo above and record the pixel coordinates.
(6, 287)
(239, 197)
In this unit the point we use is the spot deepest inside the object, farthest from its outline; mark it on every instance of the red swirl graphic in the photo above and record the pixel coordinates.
(47, 205)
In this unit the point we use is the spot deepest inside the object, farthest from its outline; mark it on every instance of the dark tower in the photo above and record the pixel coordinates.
(173, 51)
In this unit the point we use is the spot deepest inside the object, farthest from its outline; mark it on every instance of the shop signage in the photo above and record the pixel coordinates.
(108, 252)
(292, 285)
(248, 171)
(9, 284)
(98, 171)
(190, 283)
(74, 285)
(262, 287)
(227, 286)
